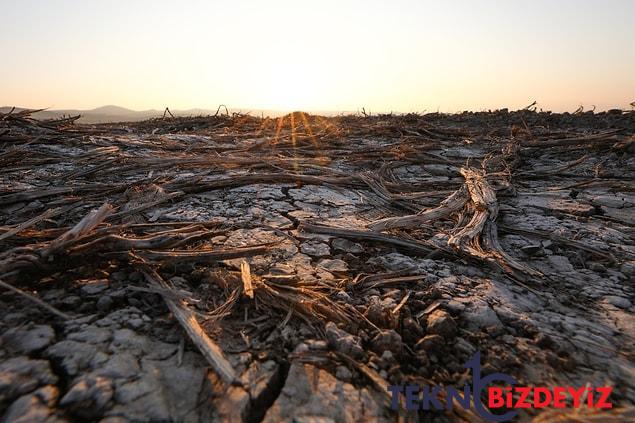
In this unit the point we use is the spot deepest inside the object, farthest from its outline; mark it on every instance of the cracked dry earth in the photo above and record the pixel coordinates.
(380, 250)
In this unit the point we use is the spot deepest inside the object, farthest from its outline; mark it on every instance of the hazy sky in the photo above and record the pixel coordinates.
(396, 55)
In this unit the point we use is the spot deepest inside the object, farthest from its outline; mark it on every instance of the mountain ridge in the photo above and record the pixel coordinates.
(113, 113)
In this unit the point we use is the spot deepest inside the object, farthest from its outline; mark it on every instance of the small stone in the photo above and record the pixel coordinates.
(21, 375)
(136, 276)
(343, 374)
(315, 249)
(412, 331)
(95, 287)
(135, 323)
(120, 366)
(34, 407)
(119, 276)
(620, 302)
(74, 356)
(480, 316)
(72, 301)
(28, 339)
(560, 264)
(301, 348)
(342, 296)
(387, 340)
(441, 323)
(596, 267)
(543, 340)
(104, 303)
(395, 262)
(387, 356)
(14, 318)
(455, 306)
(91, 335)
(88, 397)
(333, 265)
(464, 346)
(531, 249)
(343, 341)
(378, 314)
(347, 246)
(628, 268)
(317, 344)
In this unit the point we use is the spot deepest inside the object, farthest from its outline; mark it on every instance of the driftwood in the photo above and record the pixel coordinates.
(212, 352)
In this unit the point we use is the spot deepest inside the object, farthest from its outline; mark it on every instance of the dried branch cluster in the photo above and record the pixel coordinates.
(77, 196)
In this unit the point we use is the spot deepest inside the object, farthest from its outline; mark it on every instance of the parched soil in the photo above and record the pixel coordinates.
(233, 268)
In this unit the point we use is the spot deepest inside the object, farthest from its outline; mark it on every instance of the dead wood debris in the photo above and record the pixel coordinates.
(257, 232)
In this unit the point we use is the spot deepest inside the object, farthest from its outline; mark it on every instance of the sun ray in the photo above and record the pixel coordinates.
(263, 125)
(293, 140)
(278, 129)
(307, 126)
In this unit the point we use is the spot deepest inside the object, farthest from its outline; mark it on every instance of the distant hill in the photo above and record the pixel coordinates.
(103, 114)
(110, 113)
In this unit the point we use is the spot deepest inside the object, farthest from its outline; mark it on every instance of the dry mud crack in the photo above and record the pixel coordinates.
(231, 268)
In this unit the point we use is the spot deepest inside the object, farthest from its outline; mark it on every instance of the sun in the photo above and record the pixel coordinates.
(293, 87)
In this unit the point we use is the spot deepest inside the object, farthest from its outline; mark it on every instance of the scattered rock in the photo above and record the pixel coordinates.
(441, 323)
(628, 268)
(343, 374)
(342, 244)
(92, 335)
(343, 341)
(596, 267)
(21, 375)
(104, 303)
(72, 356)
(387, 340)
(94, 287)
(313, 395)
(464, 346)
(560, 264)
(333, 265)
(35, 407)
(315, 249)
(28, 339)
(620, 302)
(531, 249)
(481, 315)
(88, 397)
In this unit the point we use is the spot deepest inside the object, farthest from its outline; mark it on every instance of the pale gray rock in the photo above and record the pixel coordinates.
(313, 395)
(21, 375)
(315, 249)
(617, 301)
(94, 287)
(628, 268)
(73, 356)
(88, 397)
(481, 315)
(343, 341)
(333, 265)
(28, 339)
(560, 264)
(35, 407)
(342, 244)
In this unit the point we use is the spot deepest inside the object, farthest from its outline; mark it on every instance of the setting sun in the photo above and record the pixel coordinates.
(292, 87)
